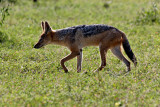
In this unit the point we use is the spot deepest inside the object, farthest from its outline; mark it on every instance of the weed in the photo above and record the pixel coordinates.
(11, 1)
(4, 11)
(150, 16)
(107, 4)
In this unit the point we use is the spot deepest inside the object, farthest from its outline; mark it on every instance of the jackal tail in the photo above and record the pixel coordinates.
(128, 49)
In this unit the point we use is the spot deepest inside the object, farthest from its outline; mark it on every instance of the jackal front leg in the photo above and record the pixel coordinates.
(79, 61)
(72, 55)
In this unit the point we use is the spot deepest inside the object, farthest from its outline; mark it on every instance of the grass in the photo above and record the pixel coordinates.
(30, 77)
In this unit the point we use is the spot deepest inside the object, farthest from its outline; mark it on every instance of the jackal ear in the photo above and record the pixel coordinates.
(42, 25)
(47, 27)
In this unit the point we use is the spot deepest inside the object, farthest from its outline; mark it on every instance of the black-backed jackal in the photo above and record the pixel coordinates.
(77, 37)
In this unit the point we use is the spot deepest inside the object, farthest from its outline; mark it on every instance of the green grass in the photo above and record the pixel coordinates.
(30, 77)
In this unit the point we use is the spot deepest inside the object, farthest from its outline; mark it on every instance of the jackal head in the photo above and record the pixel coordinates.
(46, 36)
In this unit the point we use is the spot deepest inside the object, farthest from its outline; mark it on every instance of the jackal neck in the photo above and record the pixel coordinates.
(56, 39)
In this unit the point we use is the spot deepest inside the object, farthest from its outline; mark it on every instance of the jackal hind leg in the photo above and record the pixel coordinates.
(103, 51)
(117, 52)
(70, 56)
(79, 61)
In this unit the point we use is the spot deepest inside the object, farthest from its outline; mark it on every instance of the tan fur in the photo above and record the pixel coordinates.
(110, 39)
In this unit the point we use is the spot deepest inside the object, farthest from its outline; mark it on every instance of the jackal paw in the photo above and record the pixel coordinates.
(78, 71)
(66, 71)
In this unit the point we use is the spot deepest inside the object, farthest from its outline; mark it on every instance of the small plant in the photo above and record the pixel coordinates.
(107, 4)
(3, 13)
(11, 1)
(149, 16)
(4, 10)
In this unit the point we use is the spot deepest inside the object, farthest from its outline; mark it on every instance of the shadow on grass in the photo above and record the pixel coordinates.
(3, 37)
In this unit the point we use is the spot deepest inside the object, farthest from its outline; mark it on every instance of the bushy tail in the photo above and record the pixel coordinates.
(128, 49)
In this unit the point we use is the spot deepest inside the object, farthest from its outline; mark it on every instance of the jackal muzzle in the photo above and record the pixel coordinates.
(38, 45)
